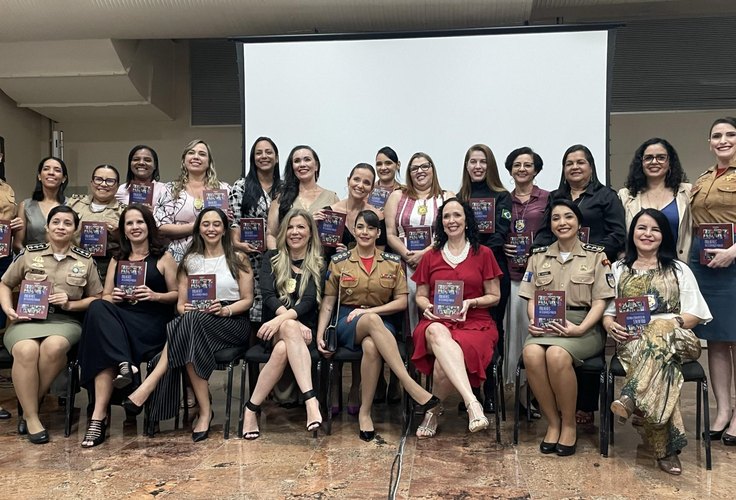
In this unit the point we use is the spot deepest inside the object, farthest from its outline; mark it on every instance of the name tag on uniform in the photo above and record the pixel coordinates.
(545, 273)
(388, 276)
(347, 277)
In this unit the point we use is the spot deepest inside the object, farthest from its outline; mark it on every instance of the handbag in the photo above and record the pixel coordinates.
(331, 330)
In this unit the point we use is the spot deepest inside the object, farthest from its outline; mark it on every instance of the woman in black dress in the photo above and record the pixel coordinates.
(121, 332)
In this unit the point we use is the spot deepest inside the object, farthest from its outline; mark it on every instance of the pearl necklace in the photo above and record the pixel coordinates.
(455, 259)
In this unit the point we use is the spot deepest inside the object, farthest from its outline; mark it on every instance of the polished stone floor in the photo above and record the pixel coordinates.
(286, 462)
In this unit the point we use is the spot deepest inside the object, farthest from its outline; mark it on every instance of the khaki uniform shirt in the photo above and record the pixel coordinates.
(584, 277)
(714, 200)
(363, 289)
(82, 204)
(8, 206)
(76, 274)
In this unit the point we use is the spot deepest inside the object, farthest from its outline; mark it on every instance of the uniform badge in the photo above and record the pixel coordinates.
(610, 280)
(79, 268)
(37, 262)
(583, 268)
(349, 291)
(527, 277)
(546, 265)
(520, 225)
(506, 214)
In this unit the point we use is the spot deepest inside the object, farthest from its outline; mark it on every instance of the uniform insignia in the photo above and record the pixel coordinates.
(540, 250)
(347, 277)
(583, 268)
(387, 276)
(593, 248)
(339, 257)
(37, 247)
(81, 251)
(391, 256)
(527, 277)
(349, 291)
(506, 214)
(77, 196)
(730, 177)
(610, 280)
(546, 265)
(79, 268)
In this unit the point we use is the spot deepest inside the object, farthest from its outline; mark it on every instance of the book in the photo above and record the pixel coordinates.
(5, 235)
(448, 299)
(331, 227)
(418, 237)
(633, 313)
(253, 231)
(714, 236)
(130, 275)
(33, 299)
(584, 234)
(216, 198)
(484, 210)
(202, 290)
(549, 306)
(378, 197)
(93, 238)
(140, 192)
(523, 242)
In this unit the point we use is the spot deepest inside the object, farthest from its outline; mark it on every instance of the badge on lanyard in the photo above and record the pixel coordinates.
(520, 225)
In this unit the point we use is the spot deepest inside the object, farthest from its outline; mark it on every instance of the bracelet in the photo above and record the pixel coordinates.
(229, 311)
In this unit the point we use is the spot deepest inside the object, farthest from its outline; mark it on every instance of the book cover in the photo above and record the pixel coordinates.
(5, 235)
(378, 197)
(448, 299)
(549, 306)
(418, 237)
(484, 210)
(523, 242)
(202, 290)
(714, 236)
(633, 313)
(130, 275)
(331, 228)
(215, 198)
(253, 231)
(93, 238)
(584, 234)
(33, 299)
(140, 192)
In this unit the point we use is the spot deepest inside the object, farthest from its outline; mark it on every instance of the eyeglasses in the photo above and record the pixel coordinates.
(423, 167)
(110, 181)
(650, 158)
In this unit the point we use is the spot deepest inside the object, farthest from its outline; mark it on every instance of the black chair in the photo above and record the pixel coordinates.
(594, 366)
(692, 371)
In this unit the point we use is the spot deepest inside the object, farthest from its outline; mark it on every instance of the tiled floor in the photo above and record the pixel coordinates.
(286, 462)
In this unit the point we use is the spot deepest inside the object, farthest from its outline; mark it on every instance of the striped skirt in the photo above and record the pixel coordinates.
(193, 338)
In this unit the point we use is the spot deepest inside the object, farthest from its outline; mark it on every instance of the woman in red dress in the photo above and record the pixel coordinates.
(456, 352)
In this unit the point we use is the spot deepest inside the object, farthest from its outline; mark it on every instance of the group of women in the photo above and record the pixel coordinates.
(374, 276)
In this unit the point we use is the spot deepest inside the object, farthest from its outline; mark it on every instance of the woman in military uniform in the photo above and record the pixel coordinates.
(372, 287)
(39, 347)
(584, 274)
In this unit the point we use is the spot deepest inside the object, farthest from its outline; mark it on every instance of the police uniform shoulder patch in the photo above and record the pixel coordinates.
(506, 214)
(77, 196)
(81, 251)
(37, 247)
(540, 250)
(339, 257)
(593, 248)
(391, 256)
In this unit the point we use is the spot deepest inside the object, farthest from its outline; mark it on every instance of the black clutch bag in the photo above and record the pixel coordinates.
(331, 330)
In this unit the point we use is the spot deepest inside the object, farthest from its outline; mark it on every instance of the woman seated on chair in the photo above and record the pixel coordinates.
(550, 353)
(128, 326)
(39, 347)
(372, 286)
(193, 338)
(653, 354)
(456, 352)
(290, 283)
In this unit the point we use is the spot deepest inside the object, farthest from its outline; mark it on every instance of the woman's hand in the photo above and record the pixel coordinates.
(535, 331)
(322, 346)
(216, 308)
(721, 257)
(306, 333)
(142, 292)
(17, 224)
(412, 258)
(13, 316)
(118, 295)
(269, 328)
(249, 248)
(616, 331)
(467, 303)
(319, 215)
(355, 313)
(60, 299)
(427, 313)
(509, 250)
(340, 248)
(565, 330)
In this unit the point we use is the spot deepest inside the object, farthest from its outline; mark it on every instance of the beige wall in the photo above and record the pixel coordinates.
(26, 142)
(88, 144)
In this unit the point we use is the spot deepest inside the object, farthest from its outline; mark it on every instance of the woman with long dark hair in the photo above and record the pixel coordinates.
(388, 169)
(652, 355)
(142, 169)
(456, 352)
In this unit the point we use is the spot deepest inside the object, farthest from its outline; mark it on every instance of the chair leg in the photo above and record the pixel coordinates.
(498, 395)
(328, 395)
(698, 404)
(242, 397)
(602, 393)
(611, 387)
(706, 422)
(229, 398)
(71, 387)
(517, 405)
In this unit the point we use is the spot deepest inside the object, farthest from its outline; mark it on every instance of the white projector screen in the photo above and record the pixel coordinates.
(348, 98)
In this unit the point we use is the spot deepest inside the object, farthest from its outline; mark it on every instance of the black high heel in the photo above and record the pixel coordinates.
(131, 407)
(39, 437)
(125, 376)
(251, 435)
(96, 433)
(547, 448)
(367, 436)
(421, 409)
(22, 427)
(315, 425)
(202, 435)
(716, 435)
(564, 450)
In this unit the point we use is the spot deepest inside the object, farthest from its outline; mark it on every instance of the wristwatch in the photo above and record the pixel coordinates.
(680, 321)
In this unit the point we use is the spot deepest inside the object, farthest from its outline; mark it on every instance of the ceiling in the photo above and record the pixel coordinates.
(87, 59)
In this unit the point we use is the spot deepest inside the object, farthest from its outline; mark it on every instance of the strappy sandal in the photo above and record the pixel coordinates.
(477, 423)
(96, 433)
(251, 435)
(428, 427)
(125, 375)
(315, 424)
(670, 464)
(584, 417)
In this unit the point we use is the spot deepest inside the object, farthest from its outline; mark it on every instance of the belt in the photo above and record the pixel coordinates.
(577, 308)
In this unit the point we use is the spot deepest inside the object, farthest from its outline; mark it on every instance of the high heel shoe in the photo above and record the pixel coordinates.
(564, 450)
(124, 377)
(4, 414)
(22, 427)
(39, 437)
(728, 440)
(96, 433)
(623, 407)
(131, 407)
(251, 435)
(314, 425)
(421, 409)
(367, 436)
(476, 424)
(547, 448)
(202, 435)
(716, 435)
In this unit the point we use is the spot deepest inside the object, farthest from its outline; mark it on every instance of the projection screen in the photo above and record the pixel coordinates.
(436, 93)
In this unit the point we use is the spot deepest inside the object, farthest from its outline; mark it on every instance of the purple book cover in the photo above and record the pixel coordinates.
(549, 306)
(713, 236)
(633, 313)
(33, 299)
(523, 242)
(418, 237)
(331, 227)
(253, 231)
(130, 275)
(584, 234)
(448, 299)
(5, 234)
(202, 290)
(216, 198)
(484, 210)
(378, 197)
(139, 192)
(93, 238)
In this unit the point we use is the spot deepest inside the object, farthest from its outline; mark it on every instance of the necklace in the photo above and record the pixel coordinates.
(455, 259)
(520, 222)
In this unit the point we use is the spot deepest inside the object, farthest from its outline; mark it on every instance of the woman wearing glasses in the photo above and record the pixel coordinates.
(100, 206)
(656, 180)
(414, 205)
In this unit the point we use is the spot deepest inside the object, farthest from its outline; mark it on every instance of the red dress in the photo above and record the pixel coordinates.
(477, 335)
